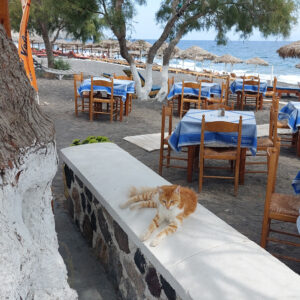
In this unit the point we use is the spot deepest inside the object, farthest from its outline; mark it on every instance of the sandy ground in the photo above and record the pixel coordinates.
(244, 212)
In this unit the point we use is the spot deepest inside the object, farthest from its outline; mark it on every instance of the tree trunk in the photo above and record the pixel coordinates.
(31, 266)
(162, 94)
(48, 45)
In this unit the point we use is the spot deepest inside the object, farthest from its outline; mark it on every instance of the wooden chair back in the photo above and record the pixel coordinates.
(252, 82)
(273, 125)
(275, 85)
(78, 78)
(105, 83)
(196, 100)
(221, 126)
(166, 118)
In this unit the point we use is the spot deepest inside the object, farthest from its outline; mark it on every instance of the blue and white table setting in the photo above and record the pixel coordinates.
(188, 132)
(237, 86)
(296, 186)
(121, 87)
(291, 113)
(208, 89)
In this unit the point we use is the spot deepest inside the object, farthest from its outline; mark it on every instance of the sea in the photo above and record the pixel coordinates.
(283, 69)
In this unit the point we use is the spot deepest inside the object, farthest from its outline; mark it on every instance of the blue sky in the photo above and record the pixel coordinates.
(145, 27)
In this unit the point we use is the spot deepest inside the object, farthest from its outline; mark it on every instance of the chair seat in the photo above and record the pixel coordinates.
(220, 153)
(264, 142)
(269, 94)
(285, 204)
(282, 124)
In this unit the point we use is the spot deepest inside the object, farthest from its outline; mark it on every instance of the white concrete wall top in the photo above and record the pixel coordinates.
(206, 258)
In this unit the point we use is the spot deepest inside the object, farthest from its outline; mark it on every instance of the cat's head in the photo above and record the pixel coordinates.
(169, 195)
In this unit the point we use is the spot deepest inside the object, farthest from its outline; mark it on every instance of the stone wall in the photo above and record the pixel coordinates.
(132, 273)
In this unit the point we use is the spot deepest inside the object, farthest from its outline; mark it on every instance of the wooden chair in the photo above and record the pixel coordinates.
(167, 114)
(263, 143)
(273, 92)
(217, 106)
(221, 99)
(96, 101)
(278, 207)
(84, 105)
(287, 139)
(252, 95)
(128, 106)
(231, 154)
(187, 101)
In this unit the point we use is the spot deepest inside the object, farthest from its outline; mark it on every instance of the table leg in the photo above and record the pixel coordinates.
(127, 105)
(242, 165)
(191, 155)
(298, 142)
(121, 110)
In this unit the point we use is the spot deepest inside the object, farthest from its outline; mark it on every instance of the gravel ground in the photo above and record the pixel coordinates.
(244, 212)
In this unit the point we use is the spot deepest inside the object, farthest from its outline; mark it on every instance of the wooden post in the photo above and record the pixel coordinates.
(4, 17)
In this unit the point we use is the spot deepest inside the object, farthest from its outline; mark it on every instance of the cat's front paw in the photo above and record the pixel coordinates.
(145, 236)
(123, 205)
(155, 242)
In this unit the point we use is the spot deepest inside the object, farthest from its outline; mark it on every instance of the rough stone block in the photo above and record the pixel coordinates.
(153, 282)
(140, 261)
(121, 237)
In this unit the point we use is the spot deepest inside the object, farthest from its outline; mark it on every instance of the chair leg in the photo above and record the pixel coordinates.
(161, 153)
(201, 166)
(76, 107)
(236, 177)
(181, 109)
(168, 158)
(265, 231)
(91, 111)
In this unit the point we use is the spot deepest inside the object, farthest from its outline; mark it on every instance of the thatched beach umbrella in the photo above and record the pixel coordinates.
(228, 59)
(290, 50)
(197, 52)
(109, 45)
(258, 62)
(141, 46)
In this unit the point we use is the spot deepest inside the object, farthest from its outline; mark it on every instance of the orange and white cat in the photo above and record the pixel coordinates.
(173, 203)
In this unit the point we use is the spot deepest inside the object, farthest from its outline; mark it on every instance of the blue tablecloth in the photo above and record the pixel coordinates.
(121, 87)
(291, 113)
(188, 130)
(207, 90)
(296, 186)
(237, 86)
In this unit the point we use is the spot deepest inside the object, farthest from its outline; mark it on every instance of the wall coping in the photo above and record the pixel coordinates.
(206, 258)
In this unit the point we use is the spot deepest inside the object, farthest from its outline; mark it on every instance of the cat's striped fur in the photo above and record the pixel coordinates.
(173, 203)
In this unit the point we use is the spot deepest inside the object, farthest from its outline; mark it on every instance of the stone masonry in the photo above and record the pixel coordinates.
(131, 272)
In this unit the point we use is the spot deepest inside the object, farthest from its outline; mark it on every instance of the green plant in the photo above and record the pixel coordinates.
(60, 64)
(90, 140)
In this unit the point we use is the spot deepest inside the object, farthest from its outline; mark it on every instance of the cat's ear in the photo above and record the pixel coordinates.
(177, 190)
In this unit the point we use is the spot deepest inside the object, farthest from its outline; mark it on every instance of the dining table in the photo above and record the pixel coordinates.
(208, 90)
(188, 133)
(236, 87)
(122, 88)
(291, 114)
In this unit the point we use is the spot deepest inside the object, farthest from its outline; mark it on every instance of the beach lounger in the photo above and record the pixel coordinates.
(155, 88)
(286, 90)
